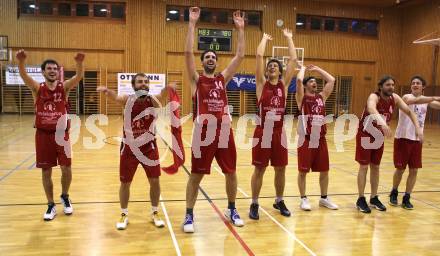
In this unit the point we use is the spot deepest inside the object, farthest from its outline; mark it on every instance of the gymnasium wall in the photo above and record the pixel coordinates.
(418, 21)
(146, 42)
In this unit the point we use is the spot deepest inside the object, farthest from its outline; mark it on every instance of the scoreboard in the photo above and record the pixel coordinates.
(214, 39)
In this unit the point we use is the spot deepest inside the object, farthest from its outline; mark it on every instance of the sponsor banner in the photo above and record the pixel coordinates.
(247, 83)
(157, 83)
(13, 75)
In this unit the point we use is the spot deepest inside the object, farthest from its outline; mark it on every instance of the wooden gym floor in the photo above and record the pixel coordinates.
(94, 192)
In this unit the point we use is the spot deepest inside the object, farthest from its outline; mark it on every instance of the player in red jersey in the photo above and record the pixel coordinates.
(269, 132)
(138, 145)
(408, 148)
(212, 121)
(51, 100)
(312, 145)
(373, 125)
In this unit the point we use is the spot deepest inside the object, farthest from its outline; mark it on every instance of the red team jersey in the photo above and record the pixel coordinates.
(272, 99)
(128, 161)
(50, 105)
(385, 107)
(365, 156)
(310, 156)
(312, 114)
(210, 97)
(144, 124)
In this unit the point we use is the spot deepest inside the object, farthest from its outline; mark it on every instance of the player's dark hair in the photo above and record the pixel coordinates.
(420, 78)
(48, 61)
(280, 66)
(133, 80)
(305, 80)
(205, 52)
(383, 80)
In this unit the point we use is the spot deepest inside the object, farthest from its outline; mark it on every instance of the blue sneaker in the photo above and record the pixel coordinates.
(232, 216)
(253, 211)
(188, 224)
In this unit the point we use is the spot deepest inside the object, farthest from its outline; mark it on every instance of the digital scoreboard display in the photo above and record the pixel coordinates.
(214, 39)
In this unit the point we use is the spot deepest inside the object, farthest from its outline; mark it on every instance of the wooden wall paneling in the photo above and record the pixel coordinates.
(418, 21)
(90, 95)
(146, 42)
(234, 100)
(112, 107)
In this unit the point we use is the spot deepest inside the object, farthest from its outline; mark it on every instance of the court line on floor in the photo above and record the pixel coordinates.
(291, 235)
(203, 199)
(383, 187)
(14, 137)
(16, 167)
(273, 219)
(170, 227)
(222, 217)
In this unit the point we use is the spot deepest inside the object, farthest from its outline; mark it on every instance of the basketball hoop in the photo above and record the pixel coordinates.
(281, 53)
(427, 39)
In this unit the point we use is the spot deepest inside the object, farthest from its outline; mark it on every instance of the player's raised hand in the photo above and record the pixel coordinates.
(267, 37)
(194, 14)
(312, 67)
(21, 55)
(238, 17)
(288, 33)
(79, 57)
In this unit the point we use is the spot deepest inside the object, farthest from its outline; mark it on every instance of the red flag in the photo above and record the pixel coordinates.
(176, 131)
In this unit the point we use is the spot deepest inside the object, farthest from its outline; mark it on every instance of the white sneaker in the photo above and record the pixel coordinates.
(327, 203)
(305, 204)
(123, 222)
(188, 224)
(158, 222)
(67, 204)
(50, 213)
(232, 216)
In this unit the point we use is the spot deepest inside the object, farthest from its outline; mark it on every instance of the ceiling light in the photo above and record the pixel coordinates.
(32, 6)
(173, 11)
(299, 23)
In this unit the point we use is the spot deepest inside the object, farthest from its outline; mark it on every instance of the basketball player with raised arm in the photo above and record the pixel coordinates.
(312, 144)
(272, 87)
(373, 126)
(138, 145)
(212, 120)
(51, 103)
(407, 147)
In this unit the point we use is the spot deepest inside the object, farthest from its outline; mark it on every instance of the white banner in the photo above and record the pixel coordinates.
(157, 83)
(13, 76)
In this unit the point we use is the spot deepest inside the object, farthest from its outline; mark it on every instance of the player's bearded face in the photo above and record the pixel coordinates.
(388, 88)
(209, 62)
(141, 86)
(51, 72)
